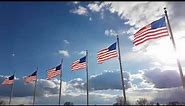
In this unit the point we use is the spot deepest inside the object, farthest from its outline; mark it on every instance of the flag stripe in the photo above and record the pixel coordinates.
(150, 35)
(108, 57)
(29, 79)
(154, 30)
(147, 28)
(102, 51)
(151, 38)
(7, 82)
(32, 77)
(53, 73)
(107, 53)
(79, 64)
(100, 61)
(150, 32)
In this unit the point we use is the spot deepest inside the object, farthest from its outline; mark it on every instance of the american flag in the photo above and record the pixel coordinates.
(8, 81)
(107, 53)
(31, 77)
(54, 72)
(79, 64)
(156, 29)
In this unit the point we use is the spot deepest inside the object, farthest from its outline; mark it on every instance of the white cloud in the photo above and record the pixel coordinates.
(109, 80)
(13, 54)
(64, 53)
(110, 32)
(140, 11)
(66, 41)
(90, 19)
(136, 57)
(80, 11)
(162, 96)
(74, 90)
(82, 53)
(139, 14)
(163, 78)
(94, 7)
(76, 2)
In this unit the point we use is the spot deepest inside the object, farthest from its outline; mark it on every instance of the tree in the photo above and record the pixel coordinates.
(174, 103)
(68, 103)
(142, 101)
(2, 102)
(120, 101)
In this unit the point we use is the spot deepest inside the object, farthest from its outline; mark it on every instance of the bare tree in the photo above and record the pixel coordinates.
(120, 101)
(142, 101)
(68, 104)
(2, 102)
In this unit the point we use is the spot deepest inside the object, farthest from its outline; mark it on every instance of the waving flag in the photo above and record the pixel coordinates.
(31, 77)
(107, 53)
(79, 64)
(9, 80)
(156, 29)
(54, 72)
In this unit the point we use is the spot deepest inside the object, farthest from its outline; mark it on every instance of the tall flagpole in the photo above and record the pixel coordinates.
(35, 88)
(173, 42)
(122, 80)
(12, 89)
(87, 78)
(60, 81)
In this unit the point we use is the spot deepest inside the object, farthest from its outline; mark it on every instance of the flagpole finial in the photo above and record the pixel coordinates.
(165, 10)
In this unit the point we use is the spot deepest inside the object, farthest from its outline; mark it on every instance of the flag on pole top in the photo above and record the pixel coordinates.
(156, 29)
(31, 77)
(79, 64)
(8, 81)
(107, 53)
(53, 72)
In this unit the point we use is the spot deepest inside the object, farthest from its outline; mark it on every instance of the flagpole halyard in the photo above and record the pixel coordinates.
(173, 42)
(122, 80)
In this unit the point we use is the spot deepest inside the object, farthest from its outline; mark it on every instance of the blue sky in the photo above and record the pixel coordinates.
(35, 32)
(40, 34)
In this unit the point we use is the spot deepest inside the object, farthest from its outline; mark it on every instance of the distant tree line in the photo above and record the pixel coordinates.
(144, 101)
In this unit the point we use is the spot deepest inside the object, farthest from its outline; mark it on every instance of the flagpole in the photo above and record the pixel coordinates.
(87, 77)
(60, 80)
(173, 42)
(35, 89)
(122, 80)
(11, 91)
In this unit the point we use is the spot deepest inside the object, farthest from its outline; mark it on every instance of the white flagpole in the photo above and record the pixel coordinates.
(11, 93)
(87, 77)
(173, 42)
(60, 81)
(122, 80)
(35, 88)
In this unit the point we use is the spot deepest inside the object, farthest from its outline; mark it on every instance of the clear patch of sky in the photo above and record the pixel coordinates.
(35, 31)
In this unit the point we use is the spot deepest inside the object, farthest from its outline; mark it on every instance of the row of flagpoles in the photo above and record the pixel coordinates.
(156, 29)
